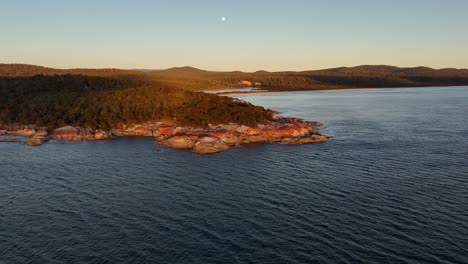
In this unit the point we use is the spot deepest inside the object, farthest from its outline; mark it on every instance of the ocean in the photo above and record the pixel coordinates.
(390, 186)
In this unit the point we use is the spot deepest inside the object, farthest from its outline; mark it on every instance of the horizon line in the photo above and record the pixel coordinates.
(221, 71)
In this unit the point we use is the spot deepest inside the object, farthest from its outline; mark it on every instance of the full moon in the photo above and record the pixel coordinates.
(223, 19)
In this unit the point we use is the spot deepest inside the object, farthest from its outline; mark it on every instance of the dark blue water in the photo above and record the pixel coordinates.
(391, 186)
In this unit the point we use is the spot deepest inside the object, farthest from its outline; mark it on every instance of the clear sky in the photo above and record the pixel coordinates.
(256, 34)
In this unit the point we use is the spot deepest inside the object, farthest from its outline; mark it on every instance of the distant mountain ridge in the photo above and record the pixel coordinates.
(190, 78)
(185, 71)
(385, 69)
(28, 69)
(23, 70)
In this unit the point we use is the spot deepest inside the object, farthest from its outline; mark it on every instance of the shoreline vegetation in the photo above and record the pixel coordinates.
(169, 105)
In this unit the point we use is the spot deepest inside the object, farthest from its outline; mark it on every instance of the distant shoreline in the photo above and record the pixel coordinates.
(325, 90)
(274, 92)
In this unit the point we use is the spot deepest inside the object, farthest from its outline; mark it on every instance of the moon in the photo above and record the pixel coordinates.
(223, 19)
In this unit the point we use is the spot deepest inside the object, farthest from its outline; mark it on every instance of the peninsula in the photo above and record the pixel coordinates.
(92, 104)
(76, 105)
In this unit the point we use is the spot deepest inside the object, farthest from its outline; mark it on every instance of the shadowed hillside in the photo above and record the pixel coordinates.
(106, 97)
(189, 78)
(367, 76)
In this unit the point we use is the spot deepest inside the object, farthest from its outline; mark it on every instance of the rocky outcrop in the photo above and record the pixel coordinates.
(221, 137)
(23, 131)
(37, 140)
(179, 141)
(102, 134)
(145, 130)
(209, 145)
(76, 134)
(231, 138)
(70, 133)
(42, 132)
(215, 138)
(26, 132)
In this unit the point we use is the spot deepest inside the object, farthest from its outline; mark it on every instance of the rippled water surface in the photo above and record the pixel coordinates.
(391, 186)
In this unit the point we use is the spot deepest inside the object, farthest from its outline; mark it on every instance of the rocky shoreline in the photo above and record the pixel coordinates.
(215, 138)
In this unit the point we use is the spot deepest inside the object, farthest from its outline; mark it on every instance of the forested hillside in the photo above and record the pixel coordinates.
(368, 76)
(103, 99)
(106, 97)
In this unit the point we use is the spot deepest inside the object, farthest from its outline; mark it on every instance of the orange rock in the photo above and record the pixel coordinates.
(229, 137)
(291, 132)
(166, 131)
(37, 140)
(143, 131)
(179, 142)
(67, 131)
(305, 129)
(101, 134)
(215, 139)
(26, 132)
(85, 133)
(254, 131)
(208, 145)
(42, 132)
(246, 139)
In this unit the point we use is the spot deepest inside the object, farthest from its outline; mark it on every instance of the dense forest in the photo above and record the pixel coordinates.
(106, 97)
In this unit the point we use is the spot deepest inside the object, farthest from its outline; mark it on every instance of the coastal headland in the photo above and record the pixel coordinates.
(97, 104)
(215, 138)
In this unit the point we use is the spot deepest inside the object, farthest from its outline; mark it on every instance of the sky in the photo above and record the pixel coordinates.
(271, 35)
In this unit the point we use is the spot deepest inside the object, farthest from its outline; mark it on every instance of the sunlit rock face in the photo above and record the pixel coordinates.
(209, 145)
(37, 140)
(74, 134)
(213, 139)
(21, 132)
(219, 138)
(71, 133)
(42, 132)
(179, 141)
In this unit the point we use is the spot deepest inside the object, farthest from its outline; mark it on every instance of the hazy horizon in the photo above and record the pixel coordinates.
(254, 35)
(210, 70)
